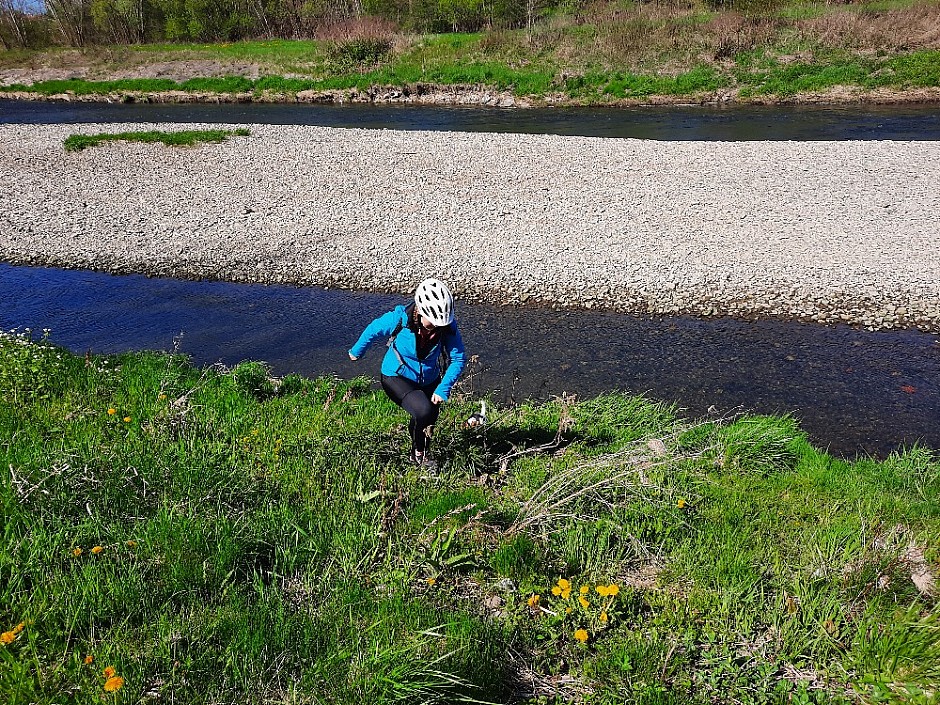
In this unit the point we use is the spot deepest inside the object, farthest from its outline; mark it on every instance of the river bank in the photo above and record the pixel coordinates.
(216, 534)
(458, 95)
(821, 231)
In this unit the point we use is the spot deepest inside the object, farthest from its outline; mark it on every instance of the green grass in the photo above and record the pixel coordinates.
(181, 138)
(752, 75)
(266, 540)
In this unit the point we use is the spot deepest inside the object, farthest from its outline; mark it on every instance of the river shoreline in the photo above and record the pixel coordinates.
(468, 95)
(830, 232)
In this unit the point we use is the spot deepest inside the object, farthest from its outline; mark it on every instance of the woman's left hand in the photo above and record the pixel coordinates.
(437, 399)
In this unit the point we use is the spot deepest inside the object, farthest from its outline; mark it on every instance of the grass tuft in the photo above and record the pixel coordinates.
(181, 138)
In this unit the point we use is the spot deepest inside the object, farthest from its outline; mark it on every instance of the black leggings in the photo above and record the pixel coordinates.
(416, 400)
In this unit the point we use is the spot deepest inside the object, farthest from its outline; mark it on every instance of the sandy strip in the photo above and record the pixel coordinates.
(828, 231)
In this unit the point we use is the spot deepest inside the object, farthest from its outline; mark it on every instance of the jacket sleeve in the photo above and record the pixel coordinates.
(454, 345)
(381, 327)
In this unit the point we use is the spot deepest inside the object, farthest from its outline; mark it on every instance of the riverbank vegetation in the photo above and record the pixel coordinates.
(579, 52)
(217, 535)
(179, 138)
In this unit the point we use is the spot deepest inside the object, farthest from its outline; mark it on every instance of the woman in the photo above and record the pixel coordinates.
(419, 335)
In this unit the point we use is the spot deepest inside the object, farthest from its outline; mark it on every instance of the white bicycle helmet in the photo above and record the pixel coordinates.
(435, 302)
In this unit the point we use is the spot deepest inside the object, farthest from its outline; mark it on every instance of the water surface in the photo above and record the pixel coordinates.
(854, 391)
(733, 123)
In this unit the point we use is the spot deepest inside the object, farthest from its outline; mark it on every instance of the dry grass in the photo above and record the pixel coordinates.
(356, 28)
(637, 35)
(915, 27)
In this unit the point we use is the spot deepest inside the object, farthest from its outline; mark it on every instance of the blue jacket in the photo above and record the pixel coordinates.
(421, 371)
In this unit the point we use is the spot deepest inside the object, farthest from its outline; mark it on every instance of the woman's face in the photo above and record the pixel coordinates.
(426, 323)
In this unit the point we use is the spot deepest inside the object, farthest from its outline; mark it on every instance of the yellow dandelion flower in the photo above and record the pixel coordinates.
(556, 591)
(88, 659)
(564, 584)
(113, 683)
(7, 638)
(132, 544)
(77, 552)
(613, 589)
(533, 601)
(585, 589)
(565, 594)
(604, 617)
(584, 602)
(112, 411)
(161, 397)
(109, 672)
(97, 549)
(567, 610)
(431, 581)
(582, 635)
(681, 503)
(19, 627)
(127, 419)
(603, 590)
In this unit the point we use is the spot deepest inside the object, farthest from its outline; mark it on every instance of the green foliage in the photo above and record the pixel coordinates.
(221, 535)
(31, 369)
(359, 53)
(181, 138)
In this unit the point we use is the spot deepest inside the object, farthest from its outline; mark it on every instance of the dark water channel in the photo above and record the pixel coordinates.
(736, 123)
(854, 391)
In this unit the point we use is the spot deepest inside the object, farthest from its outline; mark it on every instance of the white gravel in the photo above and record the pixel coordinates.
(828, 231)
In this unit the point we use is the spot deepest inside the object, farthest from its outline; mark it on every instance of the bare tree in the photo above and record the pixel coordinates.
(12, 13)
(72, 18)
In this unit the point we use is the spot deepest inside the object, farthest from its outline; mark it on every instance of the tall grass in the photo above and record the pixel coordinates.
(219, 535)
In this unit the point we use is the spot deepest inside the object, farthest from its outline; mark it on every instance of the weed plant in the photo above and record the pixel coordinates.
(174, 534)
(181, 138)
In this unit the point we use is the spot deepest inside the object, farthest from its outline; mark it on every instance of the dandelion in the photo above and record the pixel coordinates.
(77, 552)
(533, 601)
(431, 581)
(564, 584)
(565, 594)
(113, 684)
(584, 603)
(88, 659)
(581, 635)
(585, 589)
(19, 627)
(132, 544)
(112, 411)
(127, 419)
(567, 610)
(604, 617)
(97, 549)
(7, 638)
(556, 591)
(109, 672)
(161, 397)
(613, 589)
(681, 503)
(603, 590)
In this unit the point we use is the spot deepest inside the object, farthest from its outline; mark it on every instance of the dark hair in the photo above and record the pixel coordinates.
(414, 322)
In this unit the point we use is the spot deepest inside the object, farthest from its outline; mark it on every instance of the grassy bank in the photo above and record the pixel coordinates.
(217, 535)
(614, 52)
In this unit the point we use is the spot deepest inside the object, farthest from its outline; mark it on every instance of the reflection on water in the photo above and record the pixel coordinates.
(734, 123)
(854, 391)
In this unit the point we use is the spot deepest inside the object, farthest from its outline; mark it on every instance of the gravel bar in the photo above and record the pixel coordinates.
(825, 231)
